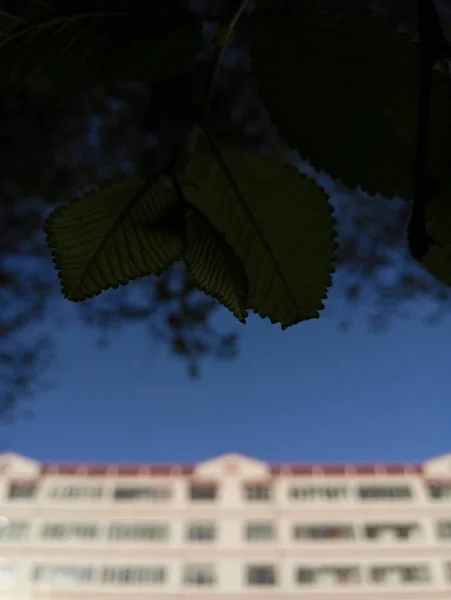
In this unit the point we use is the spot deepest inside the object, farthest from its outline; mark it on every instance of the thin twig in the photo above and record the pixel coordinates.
(184, 17)
(12, 17)
(221, 46)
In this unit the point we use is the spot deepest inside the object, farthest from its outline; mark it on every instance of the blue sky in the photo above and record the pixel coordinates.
(308, 394)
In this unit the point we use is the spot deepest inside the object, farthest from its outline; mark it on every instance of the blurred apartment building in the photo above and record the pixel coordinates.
(231, 526)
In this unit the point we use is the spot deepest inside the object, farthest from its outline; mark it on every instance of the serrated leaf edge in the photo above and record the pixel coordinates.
(203, 289)
(56, 256)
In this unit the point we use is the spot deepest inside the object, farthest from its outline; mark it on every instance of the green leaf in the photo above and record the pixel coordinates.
(70, 46)
(108, 238)
(277, 221)
(213, 266)
(344, 94)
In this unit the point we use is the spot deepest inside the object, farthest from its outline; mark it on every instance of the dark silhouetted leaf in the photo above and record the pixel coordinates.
(344, 93)
(278, 222)
(213, 266)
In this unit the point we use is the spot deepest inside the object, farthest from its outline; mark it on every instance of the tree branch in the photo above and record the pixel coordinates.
(433, 47)
(222, 41)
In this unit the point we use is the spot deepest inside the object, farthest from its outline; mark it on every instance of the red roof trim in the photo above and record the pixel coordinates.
(175, 469)
(119, 469)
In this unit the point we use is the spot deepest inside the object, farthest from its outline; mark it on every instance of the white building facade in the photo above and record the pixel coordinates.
(228, 527)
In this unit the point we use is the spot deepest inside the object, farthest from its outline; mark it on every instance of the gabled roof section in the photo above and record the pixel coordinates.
(15, 464)
(224, 465)
(232, 464)
(439, 467)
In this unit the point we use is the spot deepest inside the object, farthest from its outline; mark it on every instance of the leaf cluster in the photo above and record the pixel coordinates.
(351, 95)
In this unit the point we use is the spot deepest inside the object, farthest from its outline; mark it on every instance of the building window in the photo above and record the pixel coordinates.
(379, 574)
(444, 530)
(201, 532)
(258, 491)
(317, 493)
(62, 574)
(415, 573)
(344, 575)
(76, 492)
(261, 575)
(151, 492)
(8, 575)
(202, 491)
(260, 531)
(134, 575)
(336, 574)
(323, 532)
(139, 531)
(199, 575)
(22, 490)
(440, 491)
(305, 575)
(384, 492)
(399, 531)
(401, 573)
(13, 530)
(372, 532)
(70, 531)
(448, 571)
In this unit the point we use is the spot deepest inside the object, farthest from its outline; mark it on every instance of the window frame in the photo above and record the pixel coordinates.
(199, 569)
(325, 527)
(163, 526)
(441, 526)
(156, 493)
(10, 525)
(444, 490)
(401, 569)
(138, 570)
(271, 525)
(68, 535)
(370, 497)
(54, 567)
(394, 526)
(199, 525)
(306, 569)
(77, 492)
(251, 569)
(33, 485)
(317, 493)
(249, 490)
(196, 492)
